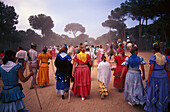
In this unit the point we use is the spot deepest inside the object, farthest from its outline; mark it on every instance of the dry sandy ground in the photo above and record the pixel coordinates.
(51, 102)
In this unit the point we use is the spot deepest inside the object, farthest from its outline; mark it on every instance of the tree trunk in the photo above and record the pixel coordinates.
(124, 31)
(140, 34)
(74, 33)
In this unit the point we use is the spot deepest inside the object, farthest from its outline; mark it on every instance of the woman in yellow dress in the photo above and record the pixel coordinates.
(43, 73)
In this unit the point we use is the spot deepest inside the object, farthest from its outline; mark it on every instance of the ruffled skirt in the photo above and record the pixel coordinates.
(156, 95)
(134, 91)
(13, 106)
(11, 100)
(82, 81)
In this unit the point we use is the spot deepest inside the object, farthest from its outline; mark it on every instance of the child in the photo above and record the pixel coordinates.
(104, 76)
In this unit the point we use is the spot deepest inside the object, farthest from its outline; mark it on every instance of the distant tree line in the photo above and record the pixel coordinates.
(142, 34)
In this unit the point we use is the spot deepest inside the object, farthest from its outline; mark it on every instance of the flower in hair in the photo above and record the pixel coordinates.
(156, 43)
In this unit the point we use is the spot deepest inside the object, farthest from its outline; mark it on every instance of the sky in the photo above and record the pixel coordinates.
(89, 13)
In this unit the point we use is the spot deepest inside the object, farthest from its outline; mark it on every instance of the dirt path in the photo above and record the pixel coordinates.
(51, 102)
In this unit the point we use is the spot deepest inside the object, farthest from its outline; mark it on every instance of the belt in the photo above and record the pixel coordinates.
(21, 58)
(134, 70)
(157, 69)
(18, 85)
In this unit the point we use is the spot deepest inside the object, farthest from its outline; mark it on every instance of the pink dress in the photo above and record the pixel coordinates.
(112, 62)
(101, 52)
(82, 78)
(53, 53)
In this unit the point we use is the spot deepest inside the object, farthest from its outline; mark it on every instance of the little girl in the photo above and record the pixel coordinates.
(104, 76)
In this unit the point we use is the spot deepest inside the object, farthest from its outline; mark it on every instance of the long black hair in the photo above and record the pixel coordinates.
(133, 49)
(9, 56)
(156, 48)
(103, 58)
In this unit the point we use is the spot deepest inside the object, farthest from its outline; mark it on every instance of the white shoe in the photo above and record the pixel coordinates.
(130, 103)
(83, 98)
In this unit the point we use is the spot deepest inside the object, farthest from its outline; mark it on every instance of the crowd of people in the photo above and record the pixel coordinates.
(76, 64)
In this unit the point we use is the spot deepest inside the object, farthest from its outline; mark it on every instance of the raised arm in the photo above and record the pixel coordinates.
(21, 76)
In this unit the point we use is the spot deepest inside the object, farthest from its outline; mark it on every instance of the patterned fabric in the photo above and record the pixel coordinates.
(102, 89)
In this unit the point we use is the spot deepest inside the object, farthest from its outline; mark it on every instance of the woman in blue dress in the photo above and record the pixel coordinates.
(134, 91)
(64, 70)
(157, 86)
(11, 95)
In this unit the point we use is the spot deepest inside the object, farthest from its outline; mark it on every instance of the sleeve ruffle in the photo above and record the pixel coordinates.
(152, 59)
(142, 62)
(40, 56)
(125, 63)
(75, 58)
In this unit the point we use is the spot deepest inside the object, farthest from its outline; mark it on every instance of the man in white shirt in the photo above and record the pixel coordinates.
(32, 60)
(92, 55)
(20, 56)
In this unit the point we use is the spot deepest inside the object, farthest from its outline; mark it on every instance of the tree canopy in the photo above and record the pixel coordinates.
(8, 20)
(41, 22)
(74, 28)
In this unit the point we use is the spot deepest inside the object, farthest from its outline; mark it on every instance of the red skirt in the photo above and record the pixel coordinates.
(119, 82)
(82, 81)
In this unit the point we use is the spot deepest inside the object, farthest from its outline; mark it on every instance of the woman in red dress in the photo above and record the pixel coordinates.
(53, 52)
(81, 73)
(119, 82)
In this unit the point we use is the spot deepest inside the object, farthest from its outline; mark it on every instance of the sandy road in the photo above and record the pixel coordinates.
(53, 103)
